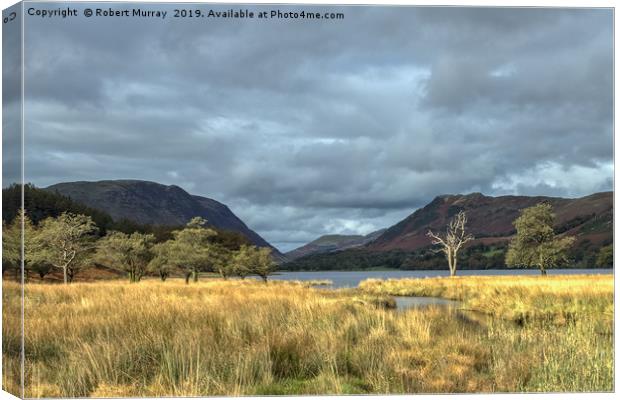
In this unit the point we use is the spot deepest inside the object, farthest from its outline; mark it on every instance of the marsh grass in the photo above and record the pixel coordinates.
(558, 329)
(558, 299)
(108, 339)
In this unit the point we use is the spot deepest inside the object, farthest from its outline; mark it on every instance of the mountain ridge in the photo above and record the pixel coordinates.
(332, 242)
(490, 218)
(405, 245)
(147, 202)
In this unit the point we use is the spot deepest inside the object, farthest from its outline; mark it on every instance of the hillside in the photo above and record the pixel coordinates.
(406, 246)
(156, 204)
(331, 243)
(40, 204)
(490, 219)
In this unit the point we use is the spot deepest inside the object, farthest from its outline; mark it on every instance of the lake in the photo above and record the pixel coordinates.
(343, 279)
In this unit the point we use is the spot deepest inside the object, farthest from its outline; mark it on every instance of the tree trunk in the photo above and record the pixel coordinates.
(163, 276)
(543, 271)
(453, 265)
(64, 274)
(264, 278)
(195, 275)
(187, 276)
(450, 261)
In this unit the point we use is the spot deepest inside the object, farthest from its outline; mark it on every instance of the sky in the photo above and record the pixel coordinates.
(305, 128)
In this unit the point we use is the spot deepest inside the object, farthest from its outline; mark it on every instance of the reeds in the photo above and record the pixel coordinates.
(558, 298)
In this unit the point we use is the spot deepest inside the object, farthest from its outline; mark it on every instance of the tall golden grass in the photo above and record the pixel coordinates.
(557, 298)
(109, 339)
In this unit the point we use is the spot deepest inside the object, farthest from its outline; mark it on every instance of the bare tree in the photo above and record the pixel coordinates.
(454, 240)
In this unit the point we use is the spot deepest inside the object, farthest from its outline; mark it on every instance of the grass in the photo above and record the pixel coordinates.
(216, 337)
(557, 299)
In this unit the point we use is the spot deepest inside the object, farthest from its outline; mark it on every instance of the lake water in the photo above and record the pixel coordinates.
(343, 279)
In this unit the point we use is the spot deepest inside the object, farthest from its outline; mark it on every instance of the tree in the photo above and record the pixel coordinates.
(11, 247)
(161, 262)
(220, 260)
(190, 249)
(163, 268)
(12, 244)
(41, 268)
(197, 223)
(605, 257)
(262, 263)
(66, 242)
(241, 262)
(124, 252)
(536, 244)
(454, 239)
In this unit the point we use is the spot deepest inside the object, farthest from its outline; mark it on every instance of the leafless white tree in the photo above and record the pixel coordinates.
(454, 240)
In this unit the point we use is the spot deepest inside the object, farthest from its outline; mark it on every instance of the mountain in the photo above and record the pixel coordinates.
(405, 245)
(152, 203)
(331, 243)
(490, 219)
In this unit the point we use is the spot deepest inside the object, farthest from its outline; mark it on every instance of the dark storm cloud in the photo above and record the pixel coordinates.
(313, 127)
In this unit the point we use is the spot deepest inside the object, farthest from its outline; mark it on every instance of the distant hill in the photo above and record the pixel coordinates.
(152, 203)
(406, 246)
(331, 243)
(490, 219)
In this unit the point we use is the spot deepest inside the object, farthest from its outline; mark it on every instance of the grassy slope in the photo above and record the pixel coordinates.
(233, 338)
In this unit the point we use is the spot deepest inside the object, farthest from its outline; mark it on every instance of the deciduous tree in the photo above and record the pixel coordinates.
(161, 263)
(242, 261)
(66, 242)
(262, 263)
(12, 239)
(191, 248)
(605, 257)
(11, 247)
(126, 252)
(536, 244)
(221, 260)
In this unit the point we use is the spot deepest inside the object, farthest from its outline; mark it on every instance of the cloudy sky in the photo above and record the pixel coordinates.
(336, 126)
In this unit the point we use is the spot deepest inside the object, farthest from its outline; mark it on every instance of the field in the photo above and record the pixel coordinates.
(555, 299)
(107, 339)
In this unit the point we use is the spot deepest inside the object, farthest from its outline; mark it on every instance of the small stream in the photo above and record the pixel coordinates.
(404, 302)
(451, 307)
